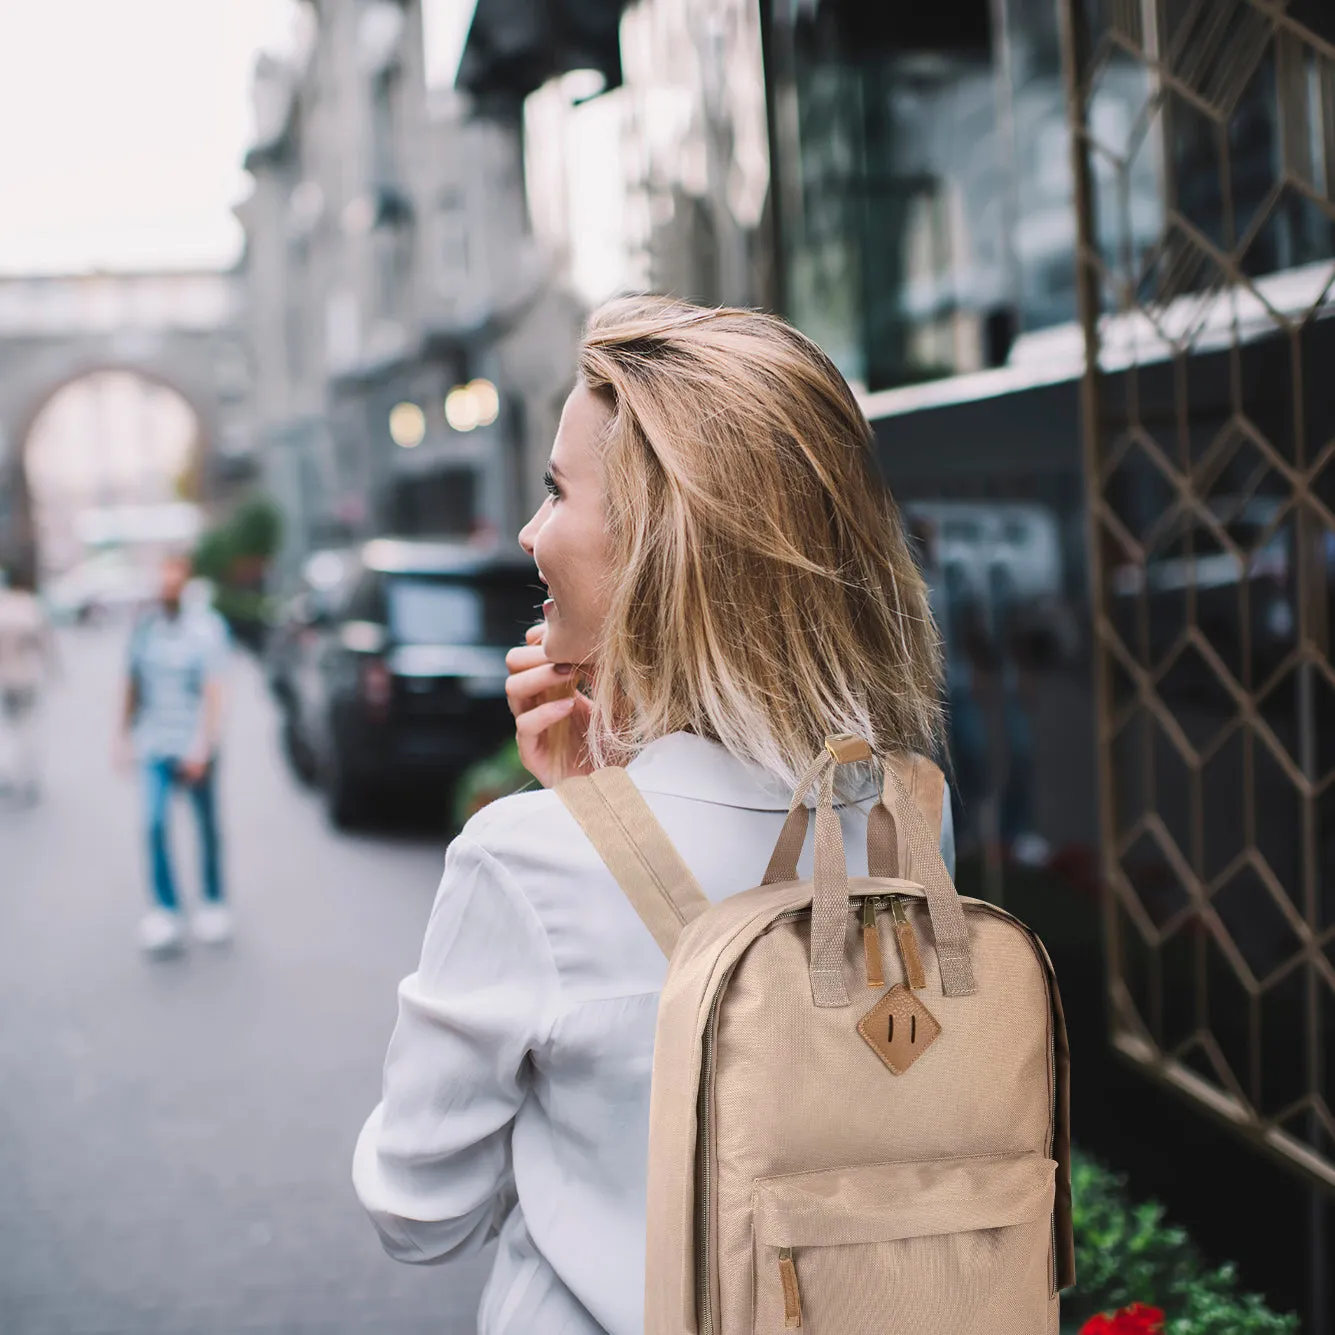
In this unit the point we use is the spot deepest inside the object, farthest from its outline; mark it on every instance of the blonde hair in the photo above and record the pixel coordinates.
(760, 591)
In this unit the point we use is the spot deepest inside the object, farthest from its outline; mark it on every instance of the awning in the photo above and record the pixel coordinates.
(1201, 322)
(514, 46)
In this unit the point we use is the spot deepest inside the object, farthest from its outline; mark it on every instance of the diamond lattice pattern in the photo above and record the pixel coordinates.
(1207, 264)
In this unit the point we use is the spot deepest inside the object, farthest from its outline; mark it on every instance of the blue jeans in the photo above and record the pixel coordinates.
(159, 775)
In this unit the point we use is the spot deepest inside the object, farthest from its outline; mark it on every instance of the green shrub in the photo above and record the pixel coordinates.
(1126, 1253)
(234, 554)
(496, 776)
(256, 527)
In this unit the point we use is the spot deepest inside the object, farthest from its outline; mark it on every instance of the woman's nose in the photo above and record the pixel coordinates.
(530, 531)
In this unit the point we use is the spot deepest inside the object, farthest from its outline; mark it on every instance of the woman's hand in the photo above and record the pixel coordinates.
(551, 716)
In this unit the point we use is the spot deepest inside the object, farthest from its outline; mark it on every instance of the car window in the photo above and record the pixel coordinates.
(366, 600)
(427, 611)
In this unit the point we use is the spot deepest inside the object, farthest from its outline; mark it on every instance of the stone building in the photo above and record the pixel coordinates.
(390, 272)
(176, 333)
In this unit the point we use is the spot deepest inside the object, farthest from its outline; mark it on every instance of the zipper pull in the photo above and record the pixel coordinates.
(792, 1295)
(908, 946)
(871, 944)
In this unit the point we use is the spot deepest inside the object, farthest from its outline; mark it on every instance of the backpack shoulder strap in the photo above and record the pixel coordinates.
(888, 845)
(660, 886)
(926, 785)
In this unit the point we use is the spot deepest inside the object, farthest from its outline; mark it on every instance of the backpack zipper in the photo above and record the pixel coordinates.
(904, 938)
(908, 946)
(704, 1221)
(703, 1298)
(871, 944)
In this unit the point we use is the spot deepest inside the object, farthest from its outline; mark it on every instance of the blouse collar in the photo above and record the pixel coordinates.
(683, 764)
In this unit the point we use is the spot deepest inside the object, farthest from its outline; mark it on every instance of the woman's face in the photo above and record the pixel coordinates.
(568, 537)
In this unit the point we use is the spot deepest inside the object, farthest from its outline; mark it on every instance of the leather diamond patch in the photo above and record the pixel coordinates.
(899, 1029)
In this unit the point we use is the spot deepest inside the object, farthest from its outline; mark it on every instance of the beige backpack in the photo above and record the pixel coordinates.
(854, 1132)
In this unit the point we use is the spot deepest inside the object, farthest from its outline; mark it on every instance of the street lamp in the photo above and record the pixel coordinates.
(472, 405)
(486, 398)
(407, 425)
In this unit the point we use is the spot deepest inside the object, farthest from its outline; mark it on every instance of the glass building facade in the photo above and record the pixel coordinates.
(922, 177)
(899, 182)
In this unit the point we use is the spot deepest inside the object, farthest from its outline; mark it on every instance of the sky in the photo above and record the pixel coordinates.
(123, 124)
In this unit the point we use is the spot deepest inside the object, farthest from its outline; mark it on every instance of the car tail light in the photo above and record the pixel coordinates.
(377, 686)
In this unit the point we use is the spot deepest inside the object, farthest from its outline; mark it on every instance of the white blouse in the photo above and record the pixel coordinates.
(516, 1087)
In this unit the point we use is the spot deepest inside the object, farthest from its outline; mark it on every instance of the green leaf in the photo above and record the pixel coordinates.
(1126, 1253)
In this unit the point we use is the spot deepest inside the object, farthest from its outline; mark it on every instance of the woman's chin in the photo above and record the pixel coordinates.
(559, 647)
(552, 639)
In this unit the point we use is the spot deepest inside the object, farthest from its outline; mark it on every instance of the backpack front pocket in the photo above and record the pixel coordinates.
(939, 1247)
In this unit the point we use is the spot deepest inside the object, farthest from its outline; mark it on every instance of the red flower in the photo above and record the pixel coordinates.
(1138, 1319)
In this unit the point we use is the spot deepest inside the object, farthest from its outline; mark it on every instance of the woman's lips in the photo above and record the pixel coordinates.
(549, 607)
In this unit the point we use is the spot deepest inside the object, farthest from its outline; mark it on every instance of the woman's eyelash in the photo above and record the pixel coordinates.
(549, 482)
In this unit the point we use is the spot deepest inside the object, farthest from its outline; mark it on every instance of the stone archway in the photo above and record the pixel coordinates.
(103, 445)
(180, 330)
(18, 529)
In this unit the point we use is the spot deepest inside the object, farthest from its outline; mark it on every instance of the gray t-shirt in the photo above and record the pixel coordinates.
(172, 658)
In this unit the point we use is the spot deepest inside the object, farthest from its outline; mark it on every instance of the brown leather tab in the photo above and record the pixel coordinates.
(792, 1295)
(899, 1029)
(908, 947)
(908, 950)
(871, 952)
(847, 747)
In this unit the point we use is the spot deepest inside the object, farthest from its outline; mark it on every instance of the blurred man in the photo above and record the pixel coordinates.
(172, 722)
(25, 649)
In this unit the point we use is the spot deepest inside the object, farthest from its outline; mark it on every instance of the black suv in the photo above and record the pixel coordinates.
(394, 677)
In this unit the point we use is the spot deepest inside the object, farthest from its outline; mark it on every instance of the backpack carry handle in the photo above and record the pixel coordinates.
(929, 870)
(896, 810)
(829, 905)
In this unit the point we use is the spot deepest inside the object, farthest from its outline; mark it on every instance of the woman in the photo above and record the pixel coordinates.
(730, 579)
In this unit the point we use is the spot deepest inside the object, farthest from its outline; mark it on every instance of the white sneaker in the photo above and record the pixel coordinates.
(161, 932)
(212, 924)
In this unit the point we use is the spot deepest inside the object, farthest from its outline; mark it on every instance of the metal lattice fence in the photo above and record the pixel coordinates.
(1204, 153)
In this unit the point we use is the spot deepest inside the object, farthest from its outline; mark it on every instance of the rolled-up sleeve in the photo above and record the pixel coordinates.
(432, 1163)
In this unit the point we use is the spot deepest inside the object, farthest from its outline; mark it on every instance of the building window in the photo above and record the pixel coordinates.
(923, 185)
(889, 194)
(441, 503)
(451, 246)
(385, 99)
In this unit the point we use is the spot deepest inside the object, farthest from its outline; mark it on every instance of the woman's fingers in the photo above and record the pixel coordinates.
(523, 688)
(524, 656)
(532, 723)
(533, 737)
(529, 690)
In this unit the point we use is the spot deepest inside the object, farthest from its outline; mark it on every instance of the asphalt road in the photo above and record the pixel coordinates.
(175, 1136)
